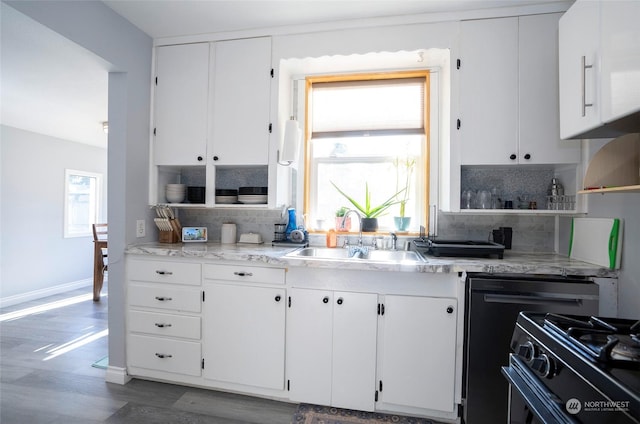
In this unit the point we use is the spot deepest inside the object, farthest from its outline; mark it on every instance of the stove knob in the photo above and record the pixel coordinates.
(527, 351)
(544, 366)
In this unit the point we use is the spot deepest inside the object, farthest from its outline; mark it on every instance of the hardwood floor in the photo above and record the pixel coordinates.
(46, 375)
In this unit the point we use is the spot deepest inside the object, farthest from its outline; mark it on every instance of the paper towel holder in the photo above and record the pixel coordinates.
(288, 152)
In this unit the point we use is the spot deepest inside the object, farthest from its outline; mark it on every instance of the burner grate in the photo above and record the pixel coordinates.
(610, 341)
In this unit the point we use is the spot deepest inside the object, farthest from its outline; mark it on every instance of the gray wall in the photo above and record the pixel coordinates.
(36, 256)
(100, 30)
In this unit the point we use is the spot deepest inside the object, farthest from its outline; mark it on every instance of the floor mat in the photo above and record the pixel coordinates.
(314, 414)
(101, 363)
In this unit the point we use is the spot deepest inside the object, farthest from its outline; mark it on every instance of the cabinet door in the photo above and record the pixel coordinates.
(578, 47)
(181, 98)
(354, 350)
(489, 91)
(244, 335)
(309, 346)
(539, 129)
(241, 93)
(620, 83)
(418, 346)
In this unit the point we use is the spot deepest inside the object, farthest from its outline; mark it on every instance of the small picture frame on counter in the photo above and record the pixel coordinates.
(194, 234)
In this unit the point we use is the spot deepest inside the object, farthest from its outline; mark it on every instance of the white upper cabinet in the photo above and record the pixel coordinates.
(620, 59)
(489, 91)
(579, 65)
(600, 69)
(240, 104)
(509, 92)
(181, 95)
(539, 132)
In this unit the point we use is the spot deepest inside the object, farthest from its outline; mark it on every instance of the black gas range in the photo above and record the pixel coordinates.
(574, 369)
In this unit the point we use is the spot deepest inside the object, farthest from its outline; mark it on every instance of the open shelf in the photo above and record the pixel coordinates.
(615, 168)
(622, 189)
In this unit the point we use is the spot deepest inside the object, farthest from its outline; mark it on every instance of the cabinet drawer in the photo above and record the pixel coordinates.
(165, 324)
(165, 297)
(244, 273)
(165, 272)
(167, 355)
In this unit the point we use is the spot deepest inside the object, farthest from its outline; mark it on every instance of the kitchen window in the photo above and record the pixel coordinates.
(367, 130)
(81, 202)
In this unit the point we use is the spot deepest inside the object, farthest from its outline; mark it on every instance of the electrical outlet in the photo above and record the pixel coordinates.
(141, 229)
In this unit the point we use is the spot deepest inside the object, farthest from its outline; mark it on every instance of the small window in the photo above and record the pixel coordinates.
(82, 191)
(368, 130)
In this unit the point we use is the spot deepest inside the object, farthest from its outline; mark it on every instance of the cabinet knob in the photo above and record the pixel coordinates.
(199, 158)
(513, 156)
(216, 158)
(449, 309)
(527, 156)
(278, 298)
(340, 301)
(325, 299)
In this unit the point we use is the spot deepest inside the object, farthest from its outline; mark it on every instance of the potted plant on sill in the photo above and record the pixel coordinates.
(404, 168)
(342, 224)
(370, 214)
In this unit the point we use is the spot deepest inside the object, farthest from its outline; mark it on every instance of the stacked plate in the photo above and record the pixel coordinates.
(252, 195)
(226, 196)
(175, 193)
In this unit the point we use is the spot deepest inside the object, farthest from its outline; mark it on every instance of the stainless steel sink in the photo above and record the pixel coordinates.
(323, 253)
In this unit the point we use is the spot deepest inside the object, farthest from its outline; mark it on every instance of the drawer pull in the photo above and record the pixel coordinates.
(163, 299)
(164, 272)
(243, 274)
(161, 325)
(163, 355)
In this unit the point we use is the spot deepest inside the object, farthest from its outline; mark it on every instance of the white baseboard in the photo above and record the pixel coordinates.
(117, 375)
(48, 291)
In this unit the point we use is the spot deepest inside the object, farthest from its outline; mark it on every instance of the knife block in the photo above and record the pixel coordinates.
(173, 236)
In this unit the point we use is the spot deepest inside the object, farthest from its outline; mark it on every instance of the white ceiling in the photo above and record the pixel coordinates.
(171, 18)
(54, 87)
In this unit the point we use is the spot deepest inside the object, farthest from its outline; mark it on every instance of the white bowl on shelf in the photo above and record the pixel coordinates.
(175, 197)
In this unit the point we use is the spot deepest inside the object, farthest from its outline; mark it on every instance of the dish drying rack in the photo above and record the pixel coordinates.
(168, 224)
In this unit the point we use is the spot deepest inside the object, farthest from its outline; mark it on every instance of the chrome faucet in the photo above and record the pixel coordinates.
(344, 218)
(394, 241)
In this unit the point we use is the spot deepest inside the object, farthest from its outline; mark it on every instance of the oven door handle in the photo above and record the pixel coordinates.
(531, 299)
(540, 401)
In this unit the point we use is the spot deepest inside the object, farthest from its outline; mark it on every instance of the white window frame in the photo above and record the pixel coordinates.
(96, 207)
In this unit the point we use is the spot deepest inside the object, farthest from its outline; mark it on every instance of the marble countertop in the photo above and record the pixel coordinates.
(513, 262)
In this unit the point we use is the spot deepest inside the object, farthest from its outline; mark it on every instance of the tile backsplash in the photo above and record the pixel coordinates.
(247, 220)
(511, 183)
(530, 233)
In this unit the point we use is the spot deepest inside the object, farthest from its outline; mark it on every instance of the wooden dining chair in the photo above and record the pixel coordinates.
(100, 261)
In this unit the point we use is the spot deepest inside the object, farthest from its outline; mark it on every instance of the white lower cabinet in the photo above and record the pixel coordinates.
(163, 318)
(166, 355)
(417, 352)
(331, 353)
(244, 334)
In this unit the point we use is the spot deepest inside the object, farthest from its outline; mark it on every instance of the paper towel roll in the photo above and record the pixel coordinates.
(228, 235)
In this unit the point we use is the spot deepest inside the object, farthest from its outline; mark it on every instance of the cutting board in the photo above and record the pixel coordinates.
(597, 241)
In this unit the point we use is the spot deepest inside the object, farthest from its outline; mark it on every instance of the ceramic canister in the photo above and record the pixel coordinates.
(228, 235)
